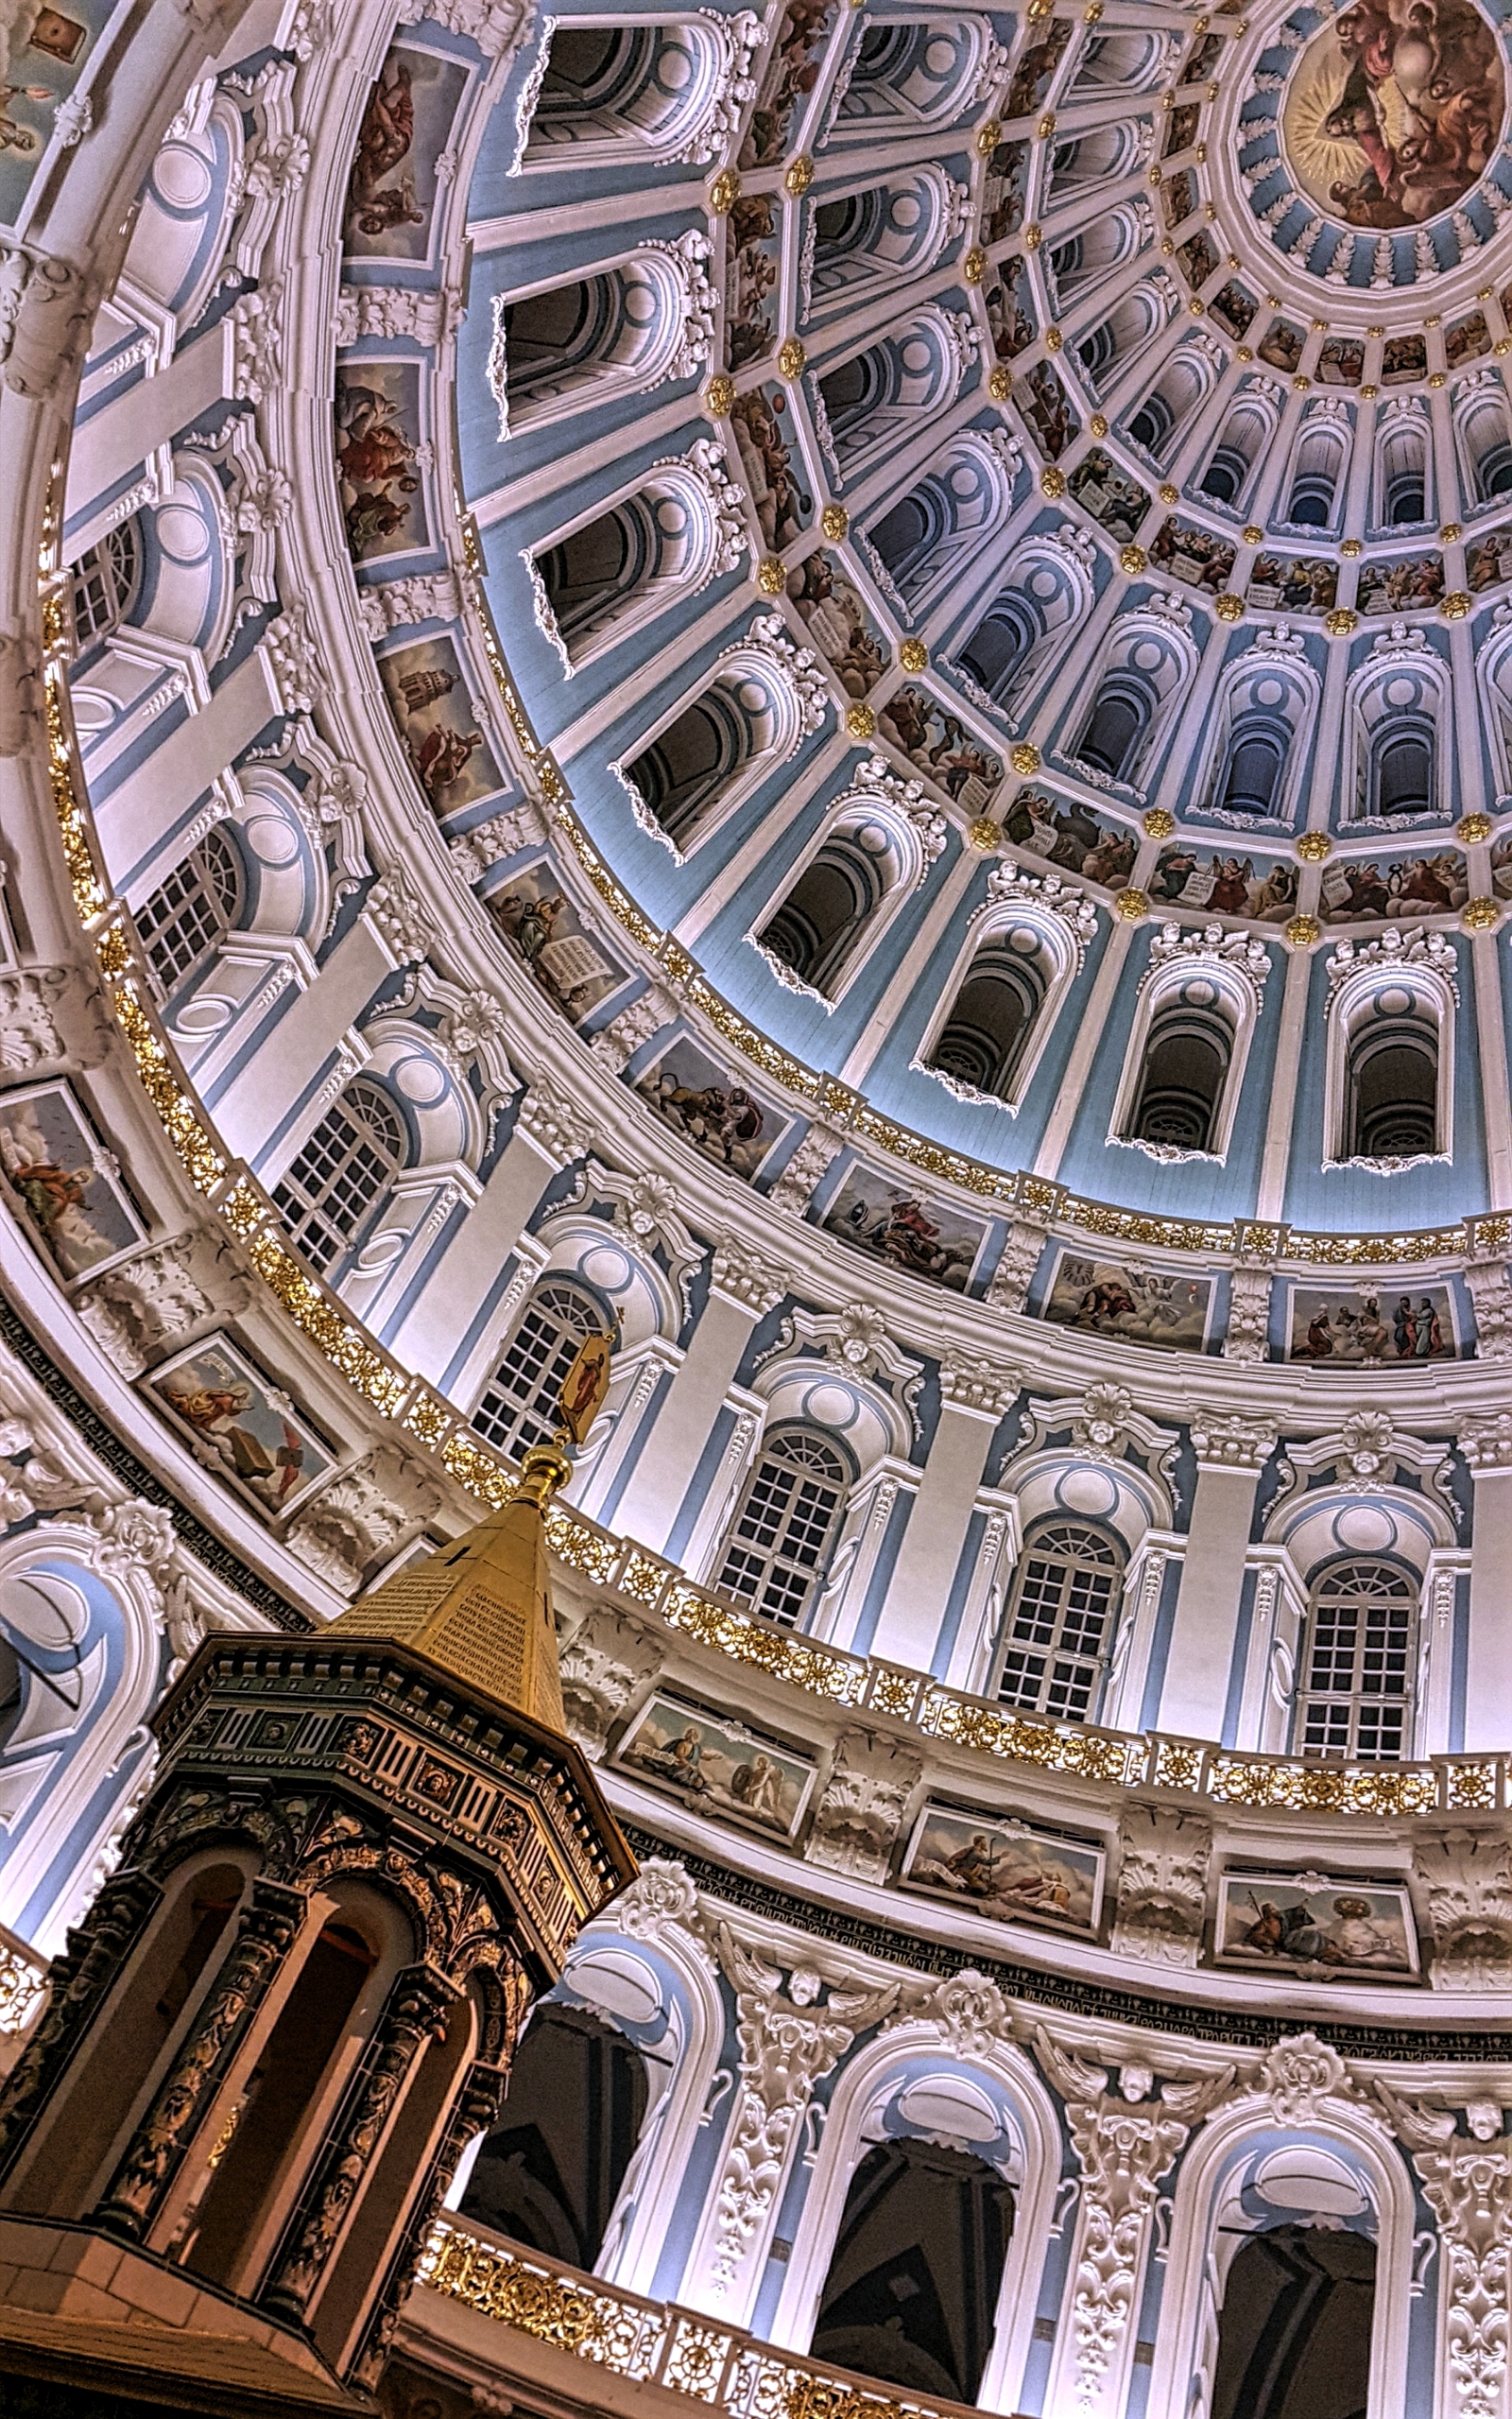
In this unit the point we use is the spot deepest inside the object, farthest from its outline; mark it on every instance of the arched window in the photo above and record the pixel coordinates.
(816, 929)
(1245, 432)
(1294, 2330)
(105, 580)
(342, 1173)
(1401, 766)
(1391, 1096)
(633, 92)
(621, 330)
(728, 737)
(1120, 717)
(1058, 1633)
(913, 2287)
(1403, 474)
(1256, 760)
(781, 1542)
(1181, 1082)
(1315, 479)
(999, 645)
(982, 1042)
(551, 2174)
(1152, 423)
(1355, 1703)
(519, 1405)
(187, 916)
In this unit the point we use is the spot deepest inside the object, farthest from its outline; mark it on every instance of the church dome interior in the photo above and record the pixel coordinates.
(755, 890)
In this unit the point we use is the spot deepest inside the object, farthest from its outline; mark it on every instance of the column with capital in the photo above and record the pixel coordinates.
(1231, 1451)
(743, 1289)
(974, 1396)
(1485, 1442)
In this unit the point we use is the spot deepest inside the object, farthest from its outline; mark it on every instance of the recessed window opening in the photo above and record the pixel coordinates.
(912, 2289)
(1402, 766)
(193, 908)
(1355, 1704)
(785, 1530)
(1152, 423)
(550, 2175)
(817, 924)
(520, 1406)
(1294, 2332)
(1225, 474)
(1311, 501)
(998, 646)
(1493, 471)
(1256, 761)
(1181, 1082)
(1059, 1632)
(342, 1173)
(105, 584)
(1392, 1094)
(1120, 717)
(983, 1040)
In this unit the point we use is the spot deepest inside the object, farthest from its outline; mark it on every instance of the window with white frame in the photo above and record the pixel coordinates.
(342, 1173)
(105, 580)
(783, 1534)
(190, 912)
(1060, 1628)
(520, 1405)
(1355, 1702)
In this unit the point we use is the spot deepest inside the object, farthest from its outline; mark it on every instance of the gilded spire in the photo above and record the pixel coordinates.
(482, 1607)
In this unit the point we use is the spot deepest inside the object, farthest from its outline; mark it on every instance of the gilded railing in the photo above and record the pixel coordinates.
(22, 1985)
(650, 2342)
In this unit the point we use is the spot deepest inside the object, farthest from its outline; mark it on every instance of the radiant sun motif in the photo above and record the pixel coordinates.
(1394, 111)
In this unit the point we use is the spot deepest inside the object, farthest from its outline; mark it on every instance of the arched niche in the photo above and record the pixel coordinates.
(1245, 2170)
(626, 326)
(1195, 1009)
(1388, 1082)
(703, 759)
(1265, 709)
(998, 1003)
(892, 387)
(624, 562)
(913, 2082)
(81, 1660)
(1399, 756)
(862, 866)
(890, 232)
(1161, 418)
(925, 541)
(1046, 594)
(1146, 669)
(604, 92)
(1115, 343)
(1094, 252)
(900, 78)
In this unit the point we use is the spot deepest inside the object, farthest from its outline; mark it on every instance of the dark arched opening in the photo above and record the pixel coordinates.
(911, 2292)
(1293, 2334)
(550, 2175)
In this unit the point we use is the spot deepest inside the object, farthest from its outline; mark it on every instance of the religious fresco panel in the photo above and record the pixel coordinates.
(906, 1229)
(1072, 835)
(718, 1765)
(381, 450)
(839, 621)
(1007, 1870)
(1220, 882)
(1376, 890)
(441, 733)
(406, 126)
(754, 269)
(704, 1103)
(1391, 117)
(938, 743)
(76, 1203)
(562, 952)
(1139, 1305)
(1330, 1927)
(240, 1425)
(1372, 1326)
(771, 469)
